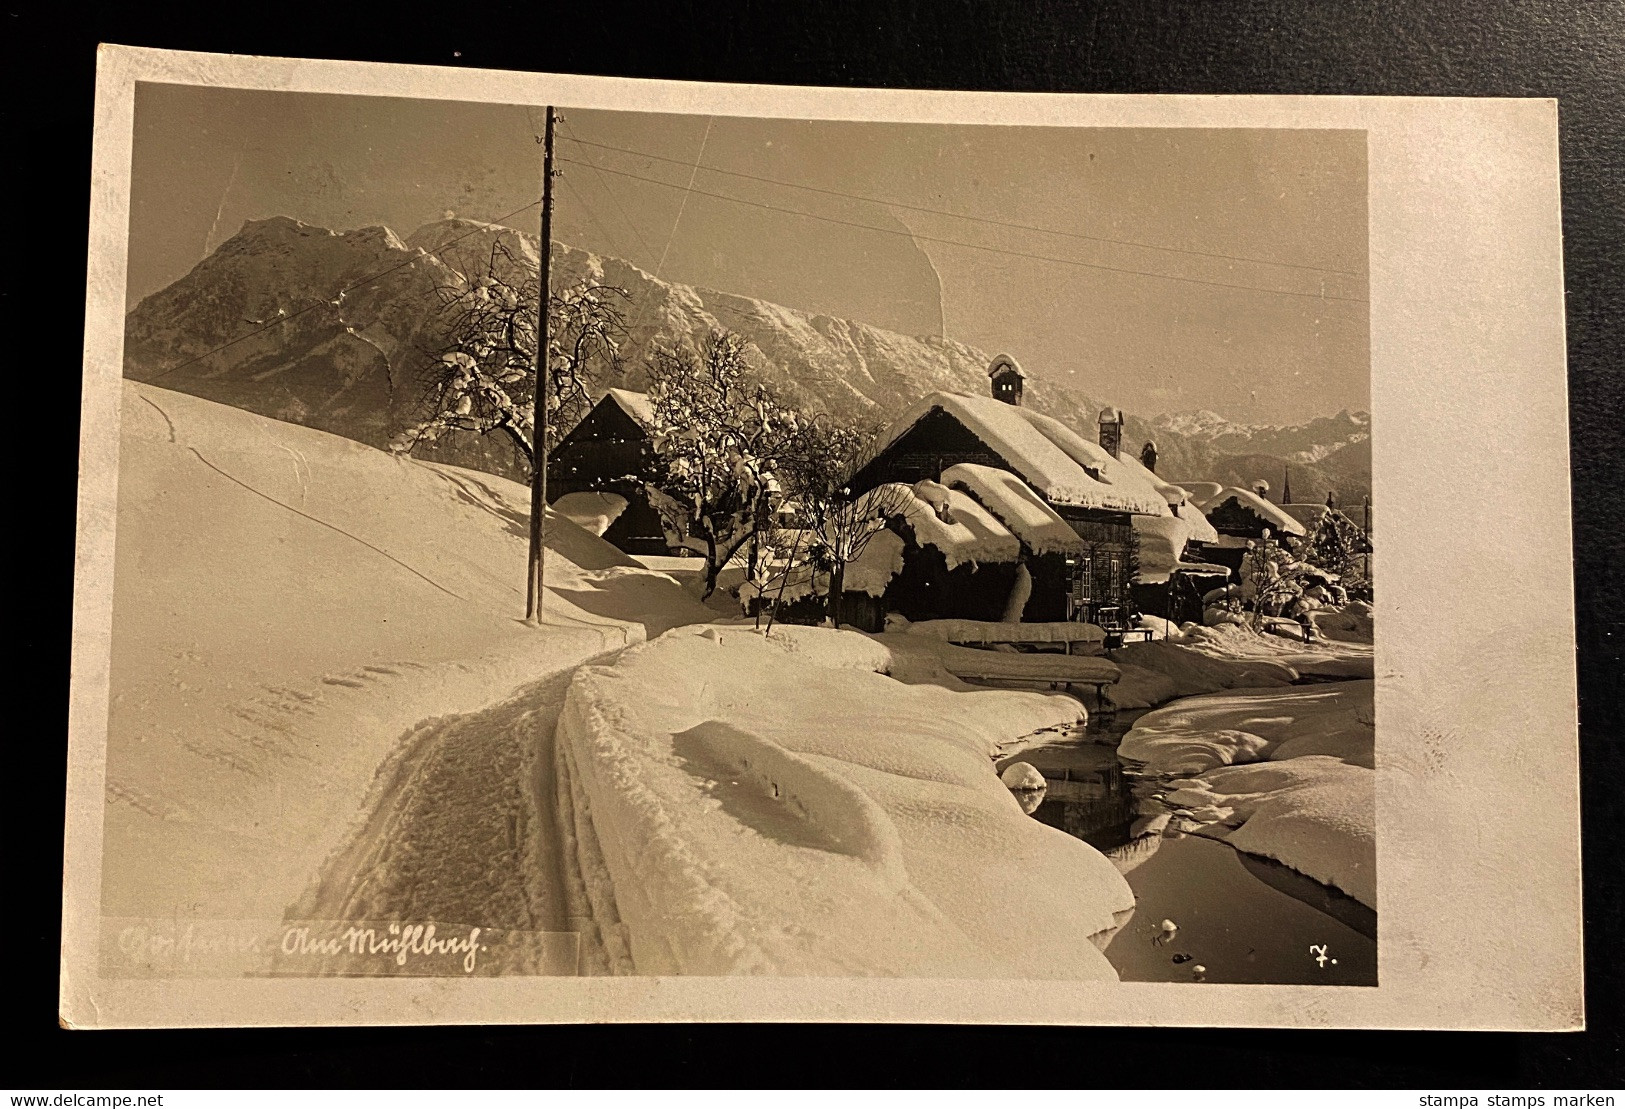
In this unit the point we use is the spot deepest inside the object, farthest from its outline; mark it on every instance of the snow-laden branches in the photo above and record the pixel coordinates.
(1337, 544)
(817, 465)
(719, 438)
(482, 377)
(1281, 579)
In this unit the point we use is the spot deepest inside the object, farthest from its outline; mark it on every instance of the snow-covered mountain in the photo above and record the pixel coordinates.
(353, 363)
(1307, 442)
(1327, 452)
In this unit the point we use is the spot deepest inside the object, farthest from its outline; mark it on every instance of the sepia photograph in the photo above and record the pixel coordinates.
(557, 542)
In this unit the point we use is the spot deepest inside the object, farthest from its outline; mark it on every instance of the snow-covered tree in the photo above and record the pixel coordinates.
(822, 456)
(482, 378)
(719, 437)
(1281, 579)
(1337, 545)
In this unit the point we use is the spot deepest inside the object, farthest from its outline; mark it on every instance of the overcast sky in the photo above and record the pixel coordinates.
(1115, 272)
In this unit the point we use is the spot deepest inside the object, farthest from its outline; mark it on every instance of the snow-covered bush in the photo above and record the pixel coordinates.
(1279, 580)
(1337, 545)
(840, 527)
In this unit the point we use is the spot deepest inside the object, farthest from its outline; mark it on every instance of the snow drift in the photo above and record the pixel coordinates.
(1283, 773)
(287, 604)
(770, 804)
(1206, 660)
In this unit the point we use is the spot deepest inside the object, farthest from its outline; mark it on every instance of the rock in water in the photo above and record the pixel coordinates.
(1022, 776)
(1026, 784)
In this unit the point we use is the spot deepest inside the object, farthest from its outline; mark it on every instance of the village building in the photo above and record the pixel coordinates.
(1240, 517)
(1071, 508)
(1173, 571)
(597, 472)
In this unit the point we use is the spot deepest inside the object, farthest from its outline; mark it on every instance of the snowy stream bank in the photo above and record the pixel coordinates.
(746, 803)
(1242, 916)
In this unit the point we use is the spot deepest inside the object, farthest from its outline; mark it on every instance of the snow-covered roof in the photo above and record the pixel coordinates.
(1017, 507)
(1162, 546)
(1173, 494)
(874, 569)
(1309, 515)
(1270, 512)
(1002, 362)
(1202, 493)
(1109, 415)
(636, 405)
(591, 510)
(1061, 466)
(974, 535)
(1306, 514)
(1201, 531)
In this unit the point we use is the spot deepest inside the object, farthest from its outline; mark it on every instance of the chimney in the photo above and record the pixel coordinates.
(1148, 456)
(1006, 380)
(1111, 431)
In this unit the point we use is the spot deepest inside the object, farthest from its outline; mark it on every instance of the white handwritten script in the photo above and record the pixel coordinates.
(145, 947)
(398, 942)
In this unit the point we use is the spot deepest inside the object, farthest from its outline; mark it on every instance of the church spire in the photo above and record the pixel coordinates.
(1286, 484)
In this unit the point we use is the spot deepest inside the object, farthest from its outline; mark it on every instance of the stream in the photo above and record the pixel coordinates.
(1240, 918)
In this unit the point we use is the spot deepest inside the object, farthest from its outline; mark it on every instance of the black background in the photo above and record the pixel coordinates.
(1568, 50)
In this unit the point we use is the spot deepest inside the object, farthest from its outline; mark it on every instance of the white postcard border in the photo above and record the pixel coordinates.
(1478, 814)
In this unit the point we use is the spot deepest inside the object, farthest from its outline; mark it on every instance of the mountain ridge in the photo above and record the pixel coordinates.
(353, 363)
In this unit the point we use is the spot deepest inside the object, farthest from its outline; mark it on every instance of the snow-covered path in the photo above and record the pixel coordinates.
(317, 669)
(460, 826)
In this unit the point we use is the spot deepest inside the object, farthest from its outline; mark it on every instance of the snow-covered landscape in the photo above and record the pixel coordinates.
(721, 800)
(851, 653)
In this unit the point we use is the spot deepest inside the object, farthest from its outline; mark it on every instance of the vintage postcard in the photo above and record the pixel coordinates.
(576, 549)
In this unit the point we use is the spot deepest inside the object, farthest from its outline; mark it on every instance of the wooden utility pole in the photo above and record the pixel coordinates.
(538, 477)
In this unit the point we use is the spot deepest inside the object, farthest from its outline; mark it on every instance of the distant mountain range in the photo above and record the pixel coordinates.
(260, 324)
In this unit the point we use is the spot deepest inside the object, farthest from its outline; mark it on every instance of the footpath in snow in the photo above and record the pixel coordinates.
(323, 699)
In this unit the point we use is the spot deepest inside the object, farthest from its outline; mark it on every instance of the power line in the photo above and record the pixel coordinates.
(592, 216)
(976, 246)
(966, 216)
(615, 199)
(338, 296)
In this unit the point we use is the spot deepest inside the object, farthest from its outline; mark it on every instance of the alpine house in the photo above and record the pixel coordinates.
(1072, 513)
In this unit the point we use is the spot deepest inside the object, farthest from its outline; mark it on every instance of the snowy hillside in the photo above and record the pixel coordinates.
(352, 364)
(287, 604)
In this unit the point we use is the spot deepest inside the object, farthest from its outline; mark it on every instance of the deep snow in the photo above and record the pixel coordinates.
(772, 804)
(1283, 773)
(1205, 660)
(288, 606)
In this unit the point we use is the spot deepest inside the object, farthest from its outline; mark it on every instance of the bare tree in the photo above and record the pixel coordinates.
(481, 380)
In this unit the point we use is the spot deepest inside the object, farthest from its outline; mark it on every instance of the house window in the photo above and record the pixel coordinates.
(1082, 591)
(1113, 590)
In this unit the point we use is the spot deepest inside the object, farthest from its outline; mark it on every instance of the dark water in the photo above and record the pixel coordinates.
(1240, 917)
